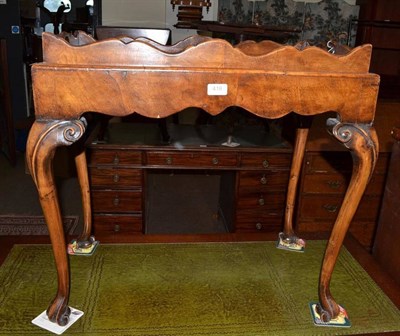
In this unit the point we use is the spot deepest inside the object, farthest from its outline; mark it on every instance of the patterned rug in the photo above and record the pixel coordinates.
(15, 225)
(208, 289)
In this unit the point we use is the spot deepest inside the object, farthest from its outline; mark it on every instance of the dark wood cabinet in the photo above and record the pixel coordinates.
(7, 138)
(379, 24)
(261, 193)
(116, 190)
(386, 249)
(253, 182)
(326, 174)
(324, 181)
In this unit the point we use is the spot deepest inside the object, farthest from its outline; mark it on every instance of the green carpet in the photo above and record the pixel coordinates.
(191, 289)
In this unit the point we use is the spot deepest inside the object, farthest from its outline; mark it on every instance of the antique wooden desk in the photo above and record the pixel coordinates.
(118, 77)
(241, 32)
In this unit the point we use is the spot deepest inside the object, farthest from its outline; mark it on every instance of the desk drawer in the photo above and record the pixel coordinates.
(337, 184)
(263, 181)
(114, 157)
(248, 221)
(117, 224)
(257, 201)
(338, 162)
(193, 159)
(327, 207)
(115, 177)
(116, 201)
(266, 161)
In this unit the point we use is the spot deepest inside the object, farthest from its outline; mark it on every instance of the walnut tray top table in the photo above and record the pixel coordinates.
(121, 76)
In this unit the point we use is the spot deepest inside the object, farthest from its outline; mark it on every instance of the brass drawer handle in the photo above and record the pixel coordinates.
(116, 159)
(265, 164)
(263, 180)
(261, 201)
(116, 201)
(168, 160)
(259, 226)
(117, 228)
(330, 207)
(116, 178)
(334, 184)
(215, 160)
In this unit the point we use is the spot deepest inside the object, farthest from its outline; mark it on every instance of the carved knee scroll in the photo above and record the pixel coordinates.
(362, 141)
(356, 137)
(44, 138)
(46, 135)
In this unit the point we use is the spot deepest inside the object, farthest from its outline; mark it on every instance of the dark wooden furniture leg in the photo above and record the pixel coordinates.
(362, 141)
(44, 138)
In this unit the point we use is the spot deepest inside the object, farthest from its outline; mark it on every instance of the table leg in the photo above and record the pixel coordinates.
(362, 141)
(84, 240)
(297, 160)
(44, 138)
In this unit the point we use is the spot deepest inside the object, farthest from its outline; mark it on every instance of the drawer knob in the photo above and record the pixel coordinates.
(117, 228)
(168, 160)
(116, 201)
(334, 184)
(330, 207)
(261, 201)
(263, 180)
(116, 159)
(215, 160)
(116, 178)
(259, 226)
(265, 164)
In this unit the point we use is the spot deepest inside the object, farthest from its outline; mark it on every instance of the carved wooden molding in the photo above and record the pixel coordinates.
(267, 79)
(209, 53)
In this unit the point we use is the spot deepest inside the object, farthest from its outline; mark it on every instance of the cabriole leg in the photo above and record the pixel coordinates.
(44, 138)
(362, 141)
(288, 239)
(84, 240)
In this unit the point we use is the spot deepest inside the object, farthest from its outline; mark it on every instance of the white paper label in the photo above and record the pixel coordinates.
(42, 321)
(217, 89)
(3, 2)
